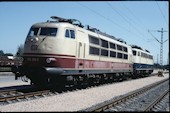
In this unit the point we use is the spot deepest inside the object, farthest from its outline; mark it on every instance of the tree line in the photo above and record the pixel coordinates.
(18, 53)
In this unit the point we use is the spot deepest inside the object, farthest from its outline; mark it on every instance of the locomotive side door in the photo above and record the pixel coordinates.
(80, 48)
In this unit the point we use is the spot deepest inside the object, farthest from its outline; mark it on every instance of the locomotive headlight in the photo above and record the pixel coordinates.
(49, 60)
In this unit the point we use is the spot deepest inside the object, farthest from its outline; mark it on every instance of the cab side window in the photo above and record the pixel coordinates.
(70, 33)
(67, 33)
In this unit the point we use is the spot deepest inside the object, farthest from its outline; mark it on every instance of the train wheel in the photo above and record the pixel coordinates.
(57, 83)
(75, 82)
(39, 82)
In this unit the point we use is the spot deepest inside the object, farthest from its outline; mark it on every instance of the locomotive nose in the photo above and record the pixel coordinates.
(32, 40)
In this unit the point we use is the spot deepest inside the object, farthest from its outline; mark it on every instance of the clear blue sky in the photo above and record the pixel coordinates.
(129, 20)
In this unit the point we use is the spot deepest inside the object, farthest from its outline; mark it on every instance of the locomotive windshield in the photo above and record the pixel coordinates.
(33, 32)
(134, 53)
(44, 31)
(48, 31)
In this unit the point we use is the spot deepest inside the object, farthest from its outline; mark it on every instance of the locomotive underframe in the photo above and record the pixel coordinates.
(59, 77)
(47, 75)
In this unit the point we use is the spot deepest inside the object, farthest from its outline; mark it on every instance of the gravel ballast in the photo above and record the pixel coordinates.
(7, 79)
(82, 99)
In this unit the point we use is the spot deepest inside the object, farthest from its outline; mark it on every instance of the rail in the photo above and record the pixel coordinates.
(24, 95)
(151, 105)
(123, 98)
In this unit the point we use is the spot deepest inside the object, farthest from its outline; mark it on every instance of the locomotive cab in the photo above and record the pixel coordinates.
(36, 38)
(44, 51)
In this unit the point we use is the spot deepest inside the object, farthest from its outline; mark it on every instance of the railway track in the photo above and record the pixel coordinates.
(19, 93)
(143, 99)
(154, 105)
(13, 95)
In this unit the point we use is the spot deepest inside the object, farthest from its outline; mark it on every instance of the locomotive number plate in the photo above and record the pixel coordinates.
(34, 47)
(32, 59)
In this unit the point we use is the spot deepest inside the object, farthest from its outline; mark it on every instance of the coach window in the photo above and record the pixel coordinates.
(151, 57)
(112, 45)
(125, 49)
(94, 40)
(104, 43)
(94, 50)
(125, 56)
(119, 47)
(134, 53)
(147, 56)
(119, 55)
(104, 52)
(112, 54)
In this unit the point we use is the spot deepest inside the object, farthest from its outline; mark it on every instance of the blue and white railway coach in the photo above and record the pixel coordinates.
(64, 48)
(142, 59)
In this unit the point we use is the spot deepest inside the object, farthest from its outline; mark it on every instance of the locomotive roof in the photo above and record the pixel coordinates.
(94, 30)
(44, 24)
(59, 20)
(137, 47)
(79, 24)
(140, 49)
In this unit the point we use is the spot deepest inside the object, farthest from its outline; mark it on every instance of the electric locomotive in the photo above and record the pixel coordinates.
(142, 61)
(64, 51)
